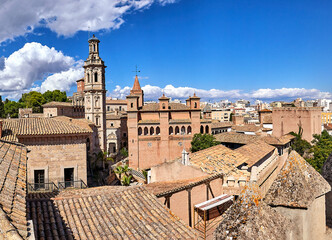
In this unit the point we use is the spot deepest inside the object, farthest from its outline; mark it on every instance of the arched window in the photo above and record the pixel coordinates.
(96, 77)
(170, 130)
(189, 130)
(195, 105)
(183, 130)
(202, 129)
(88, 76)
(139, 131)
(206, 129)
(151, 131)
(164, 106)
(131, 105)
(158, 131)
(146, 131)
(120, 108)
(177, 130)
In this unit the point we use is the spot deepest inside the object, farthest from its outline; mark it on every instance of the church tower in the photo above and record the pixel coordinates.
(94, 89)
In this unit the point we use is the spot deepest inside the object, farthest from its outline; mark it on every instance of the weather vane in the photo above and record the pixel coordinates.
(137, 71)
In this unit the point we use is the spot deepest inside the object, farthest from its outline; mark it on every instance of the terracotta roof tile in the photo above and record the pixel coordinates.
(13, 163)
(108, 213)
(57, 104)
(168, 187)
(255, 151)
(41, 126)
(217, 159)
(297, 184)
(221, 124)
(247, 128)
(173, 106)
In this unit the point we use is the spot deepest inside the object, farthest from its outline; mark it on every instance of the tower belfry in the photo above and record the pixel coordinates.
(95, 92)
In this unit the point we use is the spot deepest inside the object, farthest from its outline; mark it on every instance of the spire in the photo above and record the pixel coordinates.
(137, 86)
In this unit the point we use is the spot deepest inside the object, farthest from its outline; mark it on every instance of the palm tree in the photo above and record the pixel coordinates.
(119, 170)
(126, 180)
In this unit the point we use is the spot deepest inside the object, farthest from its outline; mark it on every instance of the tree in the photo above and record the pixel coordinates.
(322, 148)
(33, 100)
(203, 141)
(2, 109)
(124, 152)
(300, 145)
(55, 95)
(11, 108)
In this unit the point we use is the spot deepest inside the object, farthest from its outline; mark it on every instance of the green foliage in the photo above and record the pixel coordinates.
(122, 169)
(2, 109)
(300, 145)
(145, 174)
(33, 100)
(11, 108)
(203, 141)
(125, 181)
(55, 95)
(124, 152)
(322, 148)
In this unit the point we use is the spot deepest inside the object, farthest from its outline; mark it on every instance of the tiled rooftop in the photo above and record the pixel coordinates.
(57, 104)
(116, 102)
(233, 137)
(167, 187)
(250, 218)
(297, 184)
(255, 151)
(105, 213)
(221, 124)
(246, 128)
(41, 126)
(13, 163)
(173, 106)
(217, 159)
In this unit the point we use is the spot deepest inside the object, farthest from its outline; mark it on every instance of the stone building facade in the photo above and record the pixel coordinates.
(58, 147)
(158, 132)
(288, 119)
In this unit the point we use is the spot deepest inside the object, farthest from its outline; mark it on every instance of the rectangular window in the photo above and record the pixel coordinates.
(39, 179)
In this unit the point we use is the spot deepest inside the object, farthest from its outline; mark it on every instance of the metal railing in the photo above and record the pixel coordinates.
(72, 184)
(42, 187)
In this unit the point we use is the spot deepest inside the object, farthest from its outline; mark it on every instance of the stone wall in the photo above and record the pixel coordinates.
(55, 157)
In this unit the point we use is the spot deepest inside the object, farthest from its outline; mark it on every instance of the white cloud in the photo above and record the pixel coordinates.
(154, 92)
(268, 93)
(66, 17)
(35, 62)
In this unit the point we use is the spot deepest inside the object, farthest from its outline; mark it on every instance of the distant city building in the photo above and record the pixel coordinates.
(223, 115)
(325, 103)
(326, 117)
(289, 119)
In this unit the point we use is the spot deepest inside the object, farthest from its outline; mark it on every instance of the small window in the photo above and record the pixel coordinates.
(164, 106)
(97, 121)
(158, 130)
(112, 124)
(151, 131)
(170, 130)
(131, 105)
(120, 108)
(96, 77)
(108, 108)
(139, 131)
(146, 131)
(39, 179)
(195, 105)
(177, 130)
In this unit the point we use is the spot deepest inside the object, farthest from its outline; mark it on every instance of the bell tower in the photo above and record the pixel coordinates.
(94, 89)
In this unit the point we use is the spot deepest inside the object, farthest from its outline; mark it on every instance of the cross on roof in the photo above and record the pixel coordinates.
(137, 71)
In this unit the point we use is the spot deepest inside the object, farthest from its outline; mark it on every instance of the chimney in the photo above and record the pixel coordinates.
(185, 157)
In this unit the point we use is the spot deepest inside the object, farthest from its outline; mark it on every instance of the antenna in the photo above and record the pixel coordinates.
(88, 32)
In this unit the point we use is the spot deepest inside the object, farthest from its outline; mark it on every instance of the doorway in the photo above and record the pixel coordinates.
(69, 177)
(39, 179)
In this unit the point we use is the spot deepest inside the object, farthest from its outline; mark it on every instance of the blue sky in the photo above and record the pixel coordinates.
(220, 49)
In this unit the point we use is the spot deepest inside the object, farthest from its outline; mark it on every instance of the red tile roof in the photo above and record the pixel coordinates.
(106, 213)
(13, 163)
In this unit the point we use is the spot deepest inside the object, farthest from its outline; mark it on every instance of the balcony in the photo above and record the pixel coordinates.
(78, 184)
(42, 187)
(52, 187)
